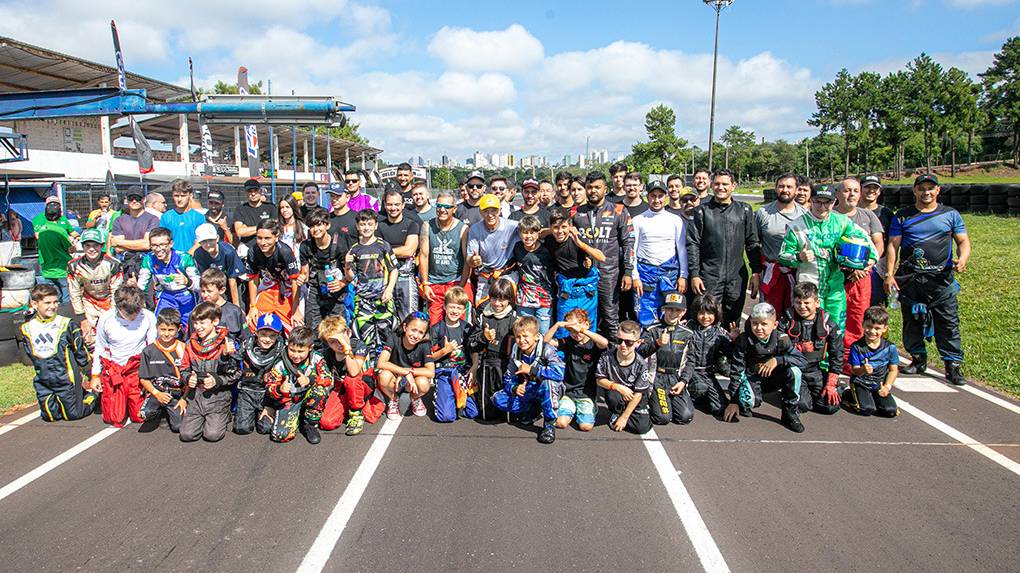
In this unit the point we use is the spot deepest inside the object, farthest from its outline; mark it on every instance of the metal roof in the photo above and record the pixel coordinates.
(25, 175)
(24, 67)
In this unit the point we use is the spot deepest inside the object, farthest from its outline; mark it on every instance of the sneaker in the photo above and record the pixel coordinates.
(918, 365)
(418, 408)
(745, 412)
(312, 433)
(791, 419)
(613, 419)
(355, 424)
(393, 410)
(954, 374)
(548, 434)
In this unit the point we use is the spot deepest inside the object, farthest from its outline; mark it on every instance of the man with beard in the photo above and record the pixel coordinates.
(129, 236)
(773, 220)
(530, 192)
(247, 216)
(803, 194)
(216, 216)
(357, 198)
(660, 255)
(723, 230)
(405, 178)
(442, 251)
(468, 210)
(490, 244)
(871, 190)
(422, 202)
(618, 176)
(401, 229)
(546, 195)
(607, 227)
(701, 183)
(676, 188)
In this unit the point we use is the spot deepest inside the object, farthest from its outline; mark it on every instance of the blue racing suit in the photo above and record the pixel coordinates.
(170, 294)
(543, 386)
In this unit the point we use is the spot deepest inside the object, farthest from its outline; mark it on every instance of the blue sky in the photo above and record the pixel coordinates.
(525, 77)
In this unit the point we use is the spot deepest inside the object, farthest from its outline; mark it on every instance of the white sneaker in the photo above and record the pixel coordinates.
(393, 410)
(418, 407)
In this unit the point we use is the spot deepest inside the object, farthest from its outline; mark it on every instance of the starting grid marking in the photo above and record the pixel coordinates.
(45, 468)
(19, 422)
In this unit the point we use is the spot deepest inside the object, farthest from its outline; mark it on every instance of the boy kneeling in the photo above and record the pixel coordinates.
(57, 350)
(533, 379)
(300, 383)
(625, 377)
(875, 365)
(159, 372)
(210, 373)
(817, 336)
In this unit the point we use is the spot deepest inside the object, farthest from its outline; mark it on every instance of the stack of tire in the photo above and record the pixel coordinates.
(1013, 199)
(15, 284)
(997, 197)
(768, 195)
(977, 201)
(960, 198)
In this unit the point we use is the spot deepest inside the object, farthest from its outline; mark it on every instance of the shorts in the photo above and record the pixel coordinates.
(581, 409)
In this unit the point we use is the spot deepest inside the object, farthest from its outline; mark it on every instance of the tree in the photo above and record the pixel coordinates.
(1002, 91)
(664, 152)
(865, 103)
(837, 110)
(739, 146)
(892, 110)
(222, 87)
(925, 107)
(442, 178)
(959, 103)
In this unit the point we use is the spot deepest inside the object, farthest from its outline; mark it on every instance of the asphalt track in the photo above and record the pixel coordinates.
(848, 494)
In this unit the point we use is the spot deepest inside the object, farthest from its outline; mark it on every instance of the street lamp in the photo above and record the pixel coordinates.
(718, 5)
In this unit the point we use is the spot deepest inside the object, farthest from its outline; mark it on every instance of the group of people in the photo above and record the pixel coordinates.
(296, 317)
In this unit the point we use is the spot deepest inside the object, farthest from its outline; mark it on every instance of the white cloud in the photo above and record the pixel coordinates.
(484, 91)
(464, 49)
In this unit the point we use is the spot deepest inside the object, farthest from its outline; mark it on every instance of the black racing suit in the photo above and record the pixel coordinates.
(493, 356)
(58, 354)
(821, 342)
(745, 382)
(707, 355)
(608, 228)
(251, 390)
(717, 240)
(672, 365)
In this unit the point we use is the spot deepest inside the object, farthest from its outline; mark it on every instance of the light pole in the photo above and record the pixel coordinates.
(718, 5)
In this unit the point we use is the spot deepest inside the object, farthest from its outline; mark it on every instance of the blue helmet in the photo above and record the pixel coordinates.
(269, 321)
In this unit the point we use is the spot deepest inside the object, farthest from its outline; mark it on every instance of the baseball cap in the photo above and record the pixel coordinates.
(529, 183)
(871, 180)
(205, 232)
(686, 191)
(216, 196)
(673, 299)
(655, 186)
(823, 192)
(134, 191)
(475, 175)
(252, 184)
(337, 188)
(926, 178)
(52, 199)
(269, 322)
(488, 201)
(91, 235)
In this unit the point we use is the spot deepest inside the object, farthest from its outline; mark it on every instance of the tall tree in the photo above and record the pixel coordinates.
(837, 110)
(739, 146)
(1002, 91)
(959, 103)
(892, 110)
(664, 152)
(866, 87)
(925, 105)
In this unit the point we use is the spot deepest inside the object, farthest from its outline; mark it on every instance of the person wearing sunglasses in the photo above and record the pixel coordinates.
(625, 377)
(442, 251)
(468, 211)
(358, 199)
(129, 235)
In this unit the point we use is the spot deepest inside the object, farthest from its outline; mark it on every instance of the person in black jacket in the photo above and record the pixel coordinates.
(669, 341)
(707, 352)
(763, 356)
(489, 344)
(211, 371)
(817, 336)
(719, 235)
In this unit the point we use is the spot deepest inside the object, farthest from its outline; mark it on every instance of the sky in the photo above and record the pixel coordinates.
(526, 77)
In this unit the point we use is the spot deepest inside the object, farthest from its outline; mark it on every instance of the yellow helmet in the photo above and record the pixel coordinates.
(488, 201)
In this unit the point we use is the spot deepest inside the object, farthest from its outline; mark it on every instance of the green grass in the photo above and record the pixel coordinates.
(16, 387)
(989, 304)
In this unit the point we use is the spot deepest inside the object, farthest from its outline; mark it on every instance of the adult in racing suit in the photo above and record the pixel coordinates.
(721, 231)
(670, 343)
(660, 255)
(819, 339)
(606, 226)
(810, 247)
(91, 284)
(58, 353)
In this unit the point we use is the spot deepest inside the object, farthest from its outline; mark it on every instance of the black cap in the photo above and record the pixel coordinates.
(476, 174)
(215, 196)
(134, 191)
(337, 189)
(823, 192)
(656, 185)
(871, 180)
(673, 299)
(252, 184)
(926, 178)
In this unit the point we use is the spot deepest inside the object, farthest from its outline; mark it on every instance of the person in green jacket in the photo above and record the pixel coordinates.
(54, 234)
(811, 245)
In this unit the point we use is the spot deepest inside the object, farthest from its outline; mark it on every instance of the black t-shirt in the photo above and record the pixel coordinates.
(614, 198)
(155, 366)
(567, 258)
(338, 366)
(317, 259)
(219, 230)
(443, 332)
(542, 215)
(675, 211)
(277, 269)
(417, 357)
(579, 359)
(636, 209)
(252, 216)
(634, 375)
(535, 288)
(345, 228)
(396, 233)
(468, 213)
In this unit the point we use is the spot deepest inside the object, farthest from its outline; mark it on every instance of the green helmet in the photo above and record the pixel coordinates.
(93, 235)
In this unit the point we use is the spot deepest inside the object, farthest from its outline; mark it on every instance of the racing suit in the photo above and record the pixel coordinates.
(822, 236)
(706, 353)
(311, 399)
(170, 294)
(542, 387)
(251, 390)
(660, 258)
(717, 239)
(745, 382)
(672, 365)
(91, 285)
(152, 409)
(607, 227)
(58, 353)
(493, 356)
(209, 409)
(821, 342)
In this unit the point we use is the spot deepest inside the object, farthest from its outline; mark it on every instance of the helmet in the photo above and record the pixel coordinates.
(853, 252)
(488, 201)
(93, 235)
(269, 321)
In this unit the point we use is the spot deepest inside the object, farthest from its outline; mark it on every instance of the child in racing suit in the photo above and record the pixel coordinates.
(299, 384)
(258, 354)
(174, 274)
(489, 343)
(91, 280)
(211, 372)
(55, 346)
(121, 334)
(669, 341)
(354, 395)
(372, 269)
(764, 356)
(707, 352)
(451, 400)
(159, 372)
(818, 338)
(533, 379)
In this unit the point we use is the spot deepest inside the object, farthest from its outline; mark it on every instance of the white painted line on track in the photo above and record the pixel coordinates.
(959, 436)
(749, 441)
(708, 552)
(318, 554)
(42, 470)
(19, 422)
(975, 391)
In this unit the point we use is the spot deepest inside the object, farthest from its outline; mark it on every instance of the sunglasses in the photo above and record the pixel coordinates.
(134, 198)
(626, 342)
(476, 186)
(443, 206)
(352, 181)
(499, 188)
